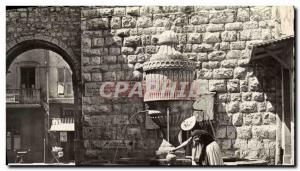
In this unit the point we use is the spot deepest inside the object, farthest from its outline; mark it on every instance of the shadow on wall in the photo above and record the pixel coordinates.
(246, 120)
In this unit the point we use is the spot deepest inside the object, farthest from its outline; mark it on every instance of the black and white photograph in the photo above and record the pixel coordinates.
(150, 85)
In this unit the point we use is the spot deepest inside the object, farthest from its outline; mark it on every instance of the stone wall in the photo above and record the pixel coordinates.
(117, 40)
(58, 27)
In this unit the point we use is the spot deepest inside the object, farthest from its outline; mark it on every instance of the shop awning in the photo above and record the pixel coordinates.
(62, 124)
(280, 49)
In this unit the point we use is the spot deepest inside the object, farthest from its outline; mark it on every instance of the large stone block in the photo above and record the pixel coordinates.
(200, 18)
(86, 77)
(270, 107)
(114, 51)
(128, 22)
(127, 50)
(266, 34)
(97, 23)
(230, 63)
(115, 22)
(240, 72)
(224, 46)
(180, 21)
(132, 59)
(248, 107)
(268, 118)
(202, 47)
(119, 11)
(210, 64)
(244, 132)
(132, 41)
(243, 62)
(271, 131)
(86, 42)
(96, 76)
(182, 38)
(246, 96)
(218, 17)
(260, 13)
(123, 32)
(232, 107)
(240, 144)
(202, 57)
(211, 37)
(256, 120)
(254, 84)
(216, 56)
(233, 85)
(105, 11)
(194, 38)
(109, 59)
(134, 11)
(238, 45)
(250, 25)
(229, 36)
(97, 42)
(231, 132)
(109, 76)
(258, 96)
(200, 28)
(237, 119)
(151, 49)
(261, 107)
(243, 85)
(234, 54)
(222, 73)
(217, 85)
(215, 27)
(260, 132)
(205, 74)
(250, 34)
(144, 22)
(243, 14)
(235, 97)
(113, 41)
(221, 132)
(255, 144)
(222, 97)
(234, 26)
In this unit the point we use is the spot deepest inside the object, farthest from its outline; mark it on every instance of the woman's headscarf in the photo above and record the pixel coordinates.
(205, 139)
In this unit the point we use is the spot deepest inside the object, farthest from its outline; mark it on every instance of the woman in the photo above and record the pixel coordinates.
(205, 150)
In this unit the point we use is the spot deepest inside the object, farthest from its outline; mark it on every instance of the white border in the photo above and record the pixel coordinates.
(4, 3)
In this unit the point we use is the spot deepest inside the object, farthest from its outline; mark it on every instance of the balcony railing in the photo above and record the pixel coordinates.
(23, 96)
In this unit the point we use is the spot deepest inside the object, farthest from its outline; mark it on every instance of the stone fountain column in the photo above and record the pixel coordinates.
(168, 78)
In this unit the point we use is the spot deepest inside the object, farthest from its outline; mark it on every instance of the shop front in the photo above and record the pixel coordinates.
(62, 140)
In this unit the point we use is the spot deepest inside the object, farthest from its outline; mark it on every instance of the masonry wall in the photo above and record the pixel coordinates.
(116, 41)
(110, 44)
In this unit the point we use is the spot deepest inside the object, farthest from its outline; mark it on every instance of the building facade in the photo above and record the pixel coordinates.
(233, 48)
(39, 92)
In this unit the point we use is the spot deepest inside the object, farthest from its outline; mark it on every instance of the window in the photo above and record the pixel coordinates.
(28, 77)
(64, 82)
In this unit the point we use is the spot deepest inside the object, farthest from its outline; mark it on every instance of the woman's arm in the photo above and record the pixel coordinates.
(183, 144)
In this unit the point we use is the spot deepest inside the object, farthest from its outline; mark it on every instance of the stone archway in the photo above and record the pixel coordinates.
(22, 44)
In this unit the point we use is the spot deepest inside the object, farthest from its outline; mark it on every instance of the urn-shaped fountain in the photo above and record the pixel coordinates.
(168, 79)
